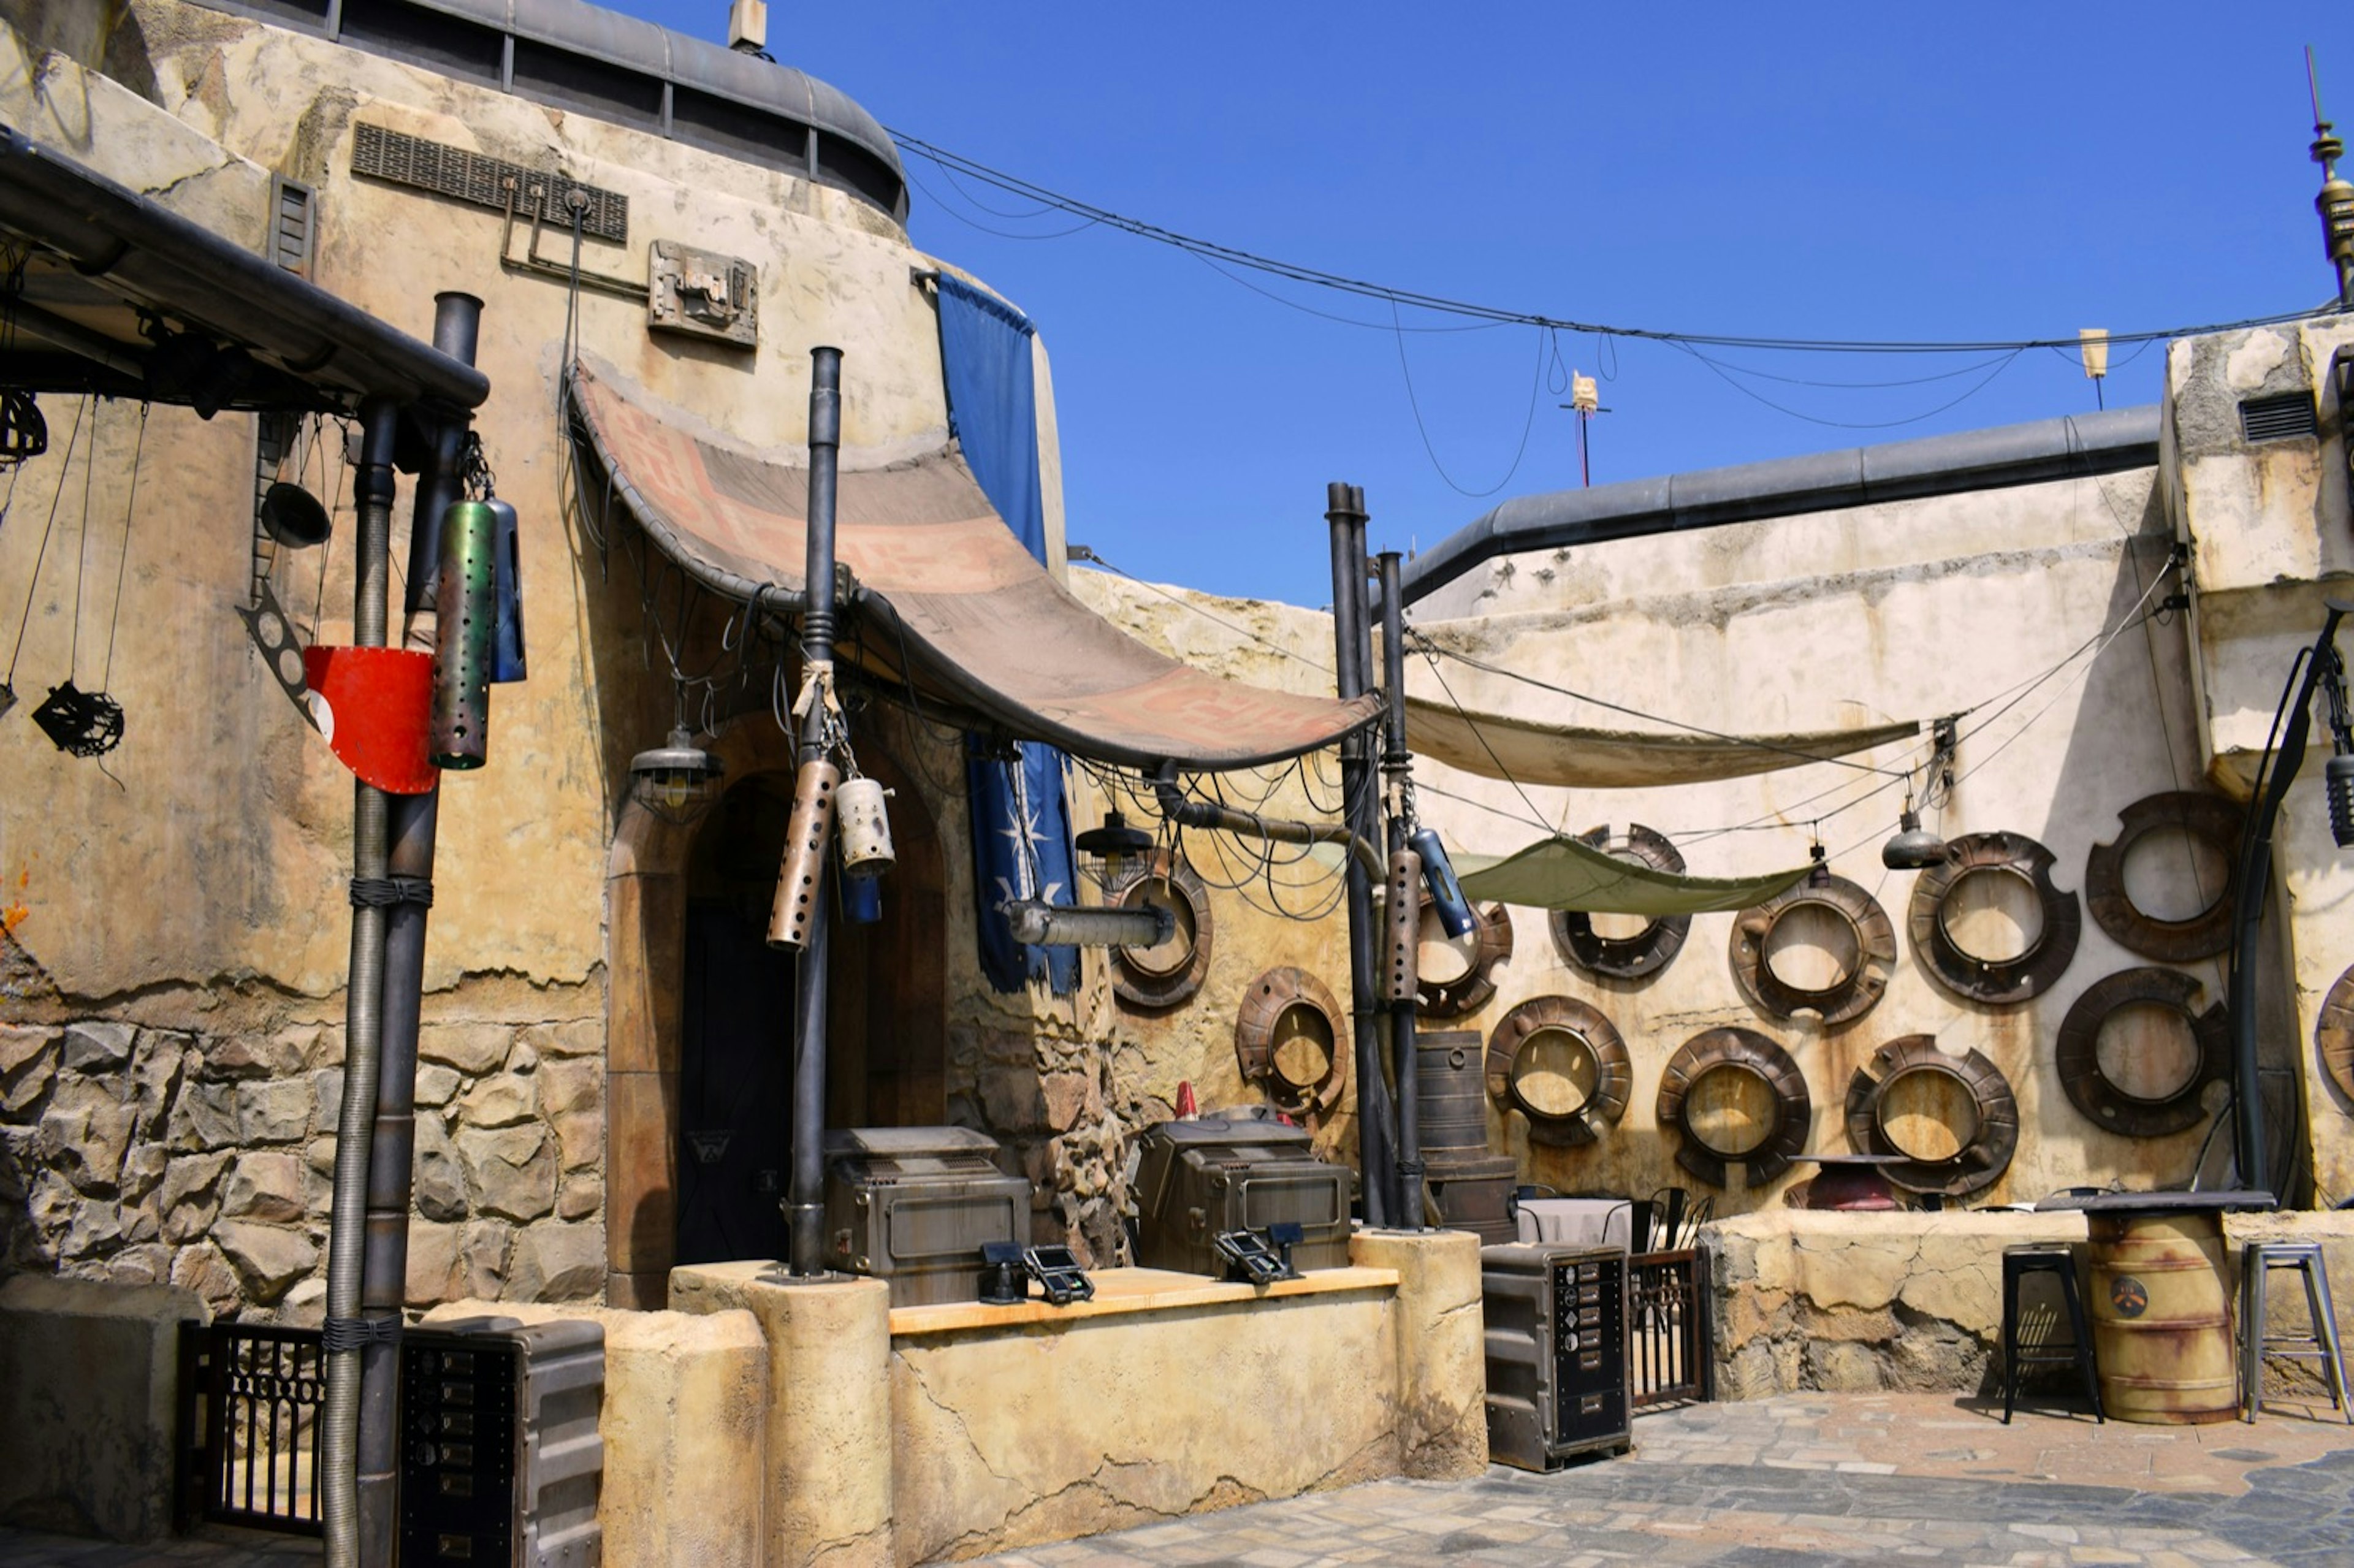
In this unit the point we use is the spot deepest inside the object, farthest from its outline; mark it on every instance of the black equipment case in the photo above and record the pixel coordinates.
(1235, 1172)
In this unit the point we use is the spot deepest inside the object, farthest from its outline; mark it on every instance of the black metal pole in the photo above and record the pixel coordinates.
(2252, 880)
(409, 862)
(808, 1193)
(1344, 515)
(1397, 762)
(373, 490)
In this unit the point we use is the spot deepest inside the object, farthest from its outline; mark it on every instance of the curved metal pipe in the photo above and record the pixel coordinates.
(1187, 812)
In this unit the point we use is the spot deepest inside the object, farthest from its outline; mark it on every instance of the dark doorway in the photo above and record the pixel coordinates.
(736, 1023)
(886, 1012)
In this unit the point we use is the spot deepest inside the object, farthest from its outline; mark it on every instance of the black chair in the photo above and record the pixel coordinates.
(2055, 1258)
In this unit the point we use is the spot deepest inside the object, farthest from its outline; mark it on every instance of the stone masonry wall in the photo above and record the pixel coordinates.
(193, 1143)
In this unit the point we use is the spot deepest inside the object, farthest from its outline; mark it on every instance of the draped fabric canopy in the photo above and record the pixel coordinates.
(984, 628)
(1563, 873)
(1532, 751)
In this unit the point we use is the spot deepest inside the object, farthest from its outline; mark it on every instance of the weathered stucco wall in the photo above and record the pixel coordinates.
(234, 820)
(2272, 532)
(1902, 611)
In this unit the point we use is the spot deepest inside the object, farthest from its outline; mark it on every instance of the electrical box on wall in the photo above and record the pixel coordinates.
(701, 293)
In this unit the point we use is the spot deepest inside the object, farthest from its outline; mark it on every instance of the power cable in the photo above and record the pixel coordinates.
(1014, 184)
(1423, 429)
(33, 583)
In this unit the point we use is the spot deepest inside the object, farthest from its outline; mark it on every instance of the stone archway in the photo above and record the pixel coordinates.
(888, 1013)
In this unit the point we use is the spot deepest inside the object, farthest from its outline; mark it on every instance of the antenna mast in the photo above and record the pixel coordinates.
(2335, 202)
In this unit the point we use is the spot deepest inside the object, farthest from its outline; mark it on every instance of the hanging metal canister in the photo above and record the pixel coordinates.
(865, 828)
(507, 662)
(465, 630)
(801, 877)
(1401, 976)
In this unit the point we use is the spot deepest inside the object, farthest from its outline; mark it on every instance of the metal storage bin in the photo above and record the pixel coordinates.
(1216, 1173)
(912, 1205)
(1556, 1319)
(500, 1458)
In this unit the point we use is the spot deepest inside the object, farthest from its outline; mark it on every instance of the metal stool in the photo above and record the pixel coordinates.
(2046, 1258)
(2257, 1260)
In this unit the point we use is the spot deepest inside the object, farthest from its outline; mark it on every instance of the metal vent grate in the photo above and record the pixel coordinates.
(2278, 419)
(469, 176)
(289, 228)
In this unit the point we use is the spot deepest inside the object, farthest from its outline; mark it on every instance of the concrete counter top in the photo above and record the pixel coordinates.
(1121, 1290)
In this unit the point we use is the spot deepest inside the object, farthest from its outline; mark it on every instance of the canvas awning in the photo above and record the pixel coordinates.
(986, 629)
(1532, 751)
(1563, 873)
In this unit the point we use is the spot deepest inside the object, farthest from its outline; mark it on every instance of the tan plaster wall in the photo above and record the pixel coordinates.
(685, 1420)
(2272, 534)
(1899, 611)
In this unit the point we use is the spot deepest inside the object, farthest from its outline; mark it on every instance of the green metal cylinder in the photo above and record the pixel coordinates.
(467, 610)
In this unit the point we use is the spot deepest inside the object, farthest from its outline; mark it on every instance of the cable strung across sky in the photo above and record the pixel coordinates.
(1210, 250)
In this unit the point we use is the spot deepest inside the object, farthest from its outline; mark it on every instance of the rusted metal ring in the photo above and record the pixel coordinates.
(1998, 982)
(1648, 950)
(1140, 981)
(2209, 817)
(1980, 1159)
(1742, 1050)
(1614, 1070)
(1438, 999)
(1856, 993)
(1272, 995)
(2106, 1102)
(2333, 1034)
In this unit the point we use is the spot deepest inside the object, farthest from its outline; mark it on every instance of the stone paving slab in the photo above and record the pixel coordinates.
(1801, 1481)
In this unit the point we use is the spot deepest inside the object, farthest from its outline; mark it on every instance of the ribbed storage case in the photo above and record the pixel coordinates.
(913, 1207)
(1213, 1173)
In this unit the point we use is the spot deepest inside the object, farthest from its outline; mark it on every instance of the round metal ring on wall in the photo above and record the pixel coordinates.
(1648, 950)
(1598, 1068)
(2333, 1034)
(1169, 972)
(1752, 1068)
(2116, 1106)
(1475, 987)
(1286, 1014)
(1969, 1087)
(1871, 937)
(2209, 819)
(1996, 981)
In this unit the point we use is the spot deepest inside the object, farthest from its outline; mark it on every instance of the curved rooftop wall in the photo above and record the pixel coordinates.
(585, 60)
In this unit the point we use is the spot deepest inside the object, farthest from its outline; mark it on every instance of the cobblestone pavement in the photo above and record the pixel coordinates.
(1794, 1482)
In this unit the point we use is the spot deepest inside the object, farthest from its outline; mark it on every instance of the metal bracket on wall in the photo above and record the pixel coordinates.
(526, 190)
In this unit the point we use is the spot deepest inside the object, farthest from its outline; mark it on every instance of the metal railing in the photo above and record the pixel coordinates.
(249, 1398)
(1669, 1353)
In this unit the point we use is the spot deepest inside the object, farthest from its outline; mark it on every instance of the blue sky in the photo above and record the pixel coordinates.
(1880, 172)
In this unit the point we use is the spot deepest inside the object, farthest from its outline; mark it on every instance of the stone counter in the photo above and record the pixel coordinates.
(1166, 1396)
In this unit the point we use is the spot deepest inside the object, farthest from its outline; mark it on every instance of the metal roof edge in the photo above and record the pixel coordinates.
(1993, 458)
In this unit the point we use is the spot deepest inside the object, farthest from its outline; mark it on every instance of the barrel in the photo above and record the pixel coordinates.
(1450, 1078)
(2161, 1323)
(1473, 1192)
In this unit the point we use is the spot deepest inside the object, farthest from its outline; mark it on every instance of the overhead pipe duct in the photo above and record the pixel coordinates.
(1406, 879)
(345, 1331)
(1209, 816)
(807, 1195)
(412, 821)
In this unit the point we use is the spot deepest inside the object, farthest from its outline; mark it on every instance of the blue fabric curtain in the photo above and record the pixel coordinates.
(1021, 829)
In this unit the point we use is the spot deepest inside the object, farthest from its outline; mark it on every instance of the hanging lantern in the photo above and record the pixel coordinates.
(677, 781)
(865, 828)
(1105, 851)
(1819, 869)
(1915, 847)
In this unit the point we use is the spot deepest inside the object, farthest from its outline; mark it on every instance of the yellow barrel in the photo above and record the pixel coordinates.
(2161, 1322)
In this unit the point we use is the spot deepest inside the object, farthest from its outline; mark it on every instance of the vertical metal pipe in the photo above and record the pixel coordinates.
(1396, 765)
(411, 822)
(1344, 515)
(364, 1017)
(807, 1218)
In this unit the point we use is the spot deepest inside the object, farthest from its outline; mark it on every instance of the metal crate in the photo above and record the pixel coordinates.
(501, 1459)
(913, 1205)
(1206, 1174)
(1556, 1322)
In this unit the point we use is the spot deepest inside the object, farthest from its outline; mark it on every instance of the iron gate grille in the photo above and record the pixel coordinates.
(251, 1398)
(1668, 1337)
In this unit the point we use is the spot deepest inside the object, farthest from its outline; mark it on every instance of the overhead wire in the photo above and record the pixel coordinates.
(1045, 197)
